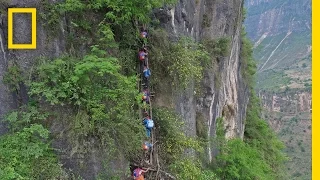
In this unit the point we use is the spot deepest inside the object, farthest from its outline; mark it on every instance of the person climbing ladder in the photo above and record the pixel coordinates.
(148, 145)
(144, 34)
(137, 172)
(145, 96)
(146, 76)
(143, 57)
(149, 124)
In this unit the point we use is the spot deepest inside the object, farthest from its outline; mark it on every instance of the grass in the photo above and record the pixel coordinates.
(273, 81)
(295, 132)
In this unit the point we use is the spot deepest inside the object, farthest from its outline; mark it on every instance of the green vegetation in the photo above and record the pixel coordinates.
(90, 23)
(273, 80)
(13, 78)
(217, 48)
(96, 90)
(259, 135)
(171, 136)
(260, 155)
(182, 61)
(25, 151)
(295, 132)
(188, 62)
(25, 155)
(25, 116)
(248, 64)
(259, 138)
(94, 94)
(174, 143)
(238, 160)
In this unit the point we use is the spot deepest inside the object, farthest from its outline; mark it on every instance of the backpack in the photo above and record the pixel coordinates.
(137, 172)
(141, 56)
(146, 72)
(150, 123)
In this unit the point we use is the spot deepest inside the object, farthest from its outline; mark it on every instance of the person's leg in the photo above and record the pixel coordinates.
(141, 66)
(147, 81)
(144, 80)
(148, 132)
(146, 62)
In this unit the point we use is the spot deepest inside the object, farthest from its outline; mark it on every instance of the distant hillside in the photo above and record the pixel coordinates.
(289, 115)
(281, 33)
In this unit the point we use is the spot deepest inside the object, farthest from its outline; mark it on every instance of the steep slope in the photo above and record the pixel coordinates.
(281, 33)
(223, 87)
(224, 92)
(289, 115)
(25, 58)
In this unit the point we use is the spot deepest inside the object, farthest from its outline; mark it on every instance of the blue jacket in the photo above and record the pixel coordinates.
(145, 121)
(146, 72)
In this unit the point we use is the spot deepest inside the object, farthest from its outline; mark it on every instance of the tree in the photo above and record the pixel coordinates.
(26, 155)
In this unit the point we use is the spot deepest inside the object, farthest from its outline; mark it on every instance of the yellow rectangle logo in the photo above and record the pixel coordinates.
(33, 44)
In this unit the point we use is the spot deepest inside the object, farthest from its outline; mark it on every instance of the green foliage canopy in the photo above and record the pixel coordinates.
(25, 155)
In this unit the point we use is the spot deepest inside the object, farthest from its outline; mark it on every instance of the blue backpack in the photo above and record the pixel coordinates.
(150, 123)
(146, 72)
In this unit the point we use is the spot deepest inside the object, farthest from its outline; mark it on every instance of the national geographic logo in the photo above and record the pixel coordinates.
(33, 13)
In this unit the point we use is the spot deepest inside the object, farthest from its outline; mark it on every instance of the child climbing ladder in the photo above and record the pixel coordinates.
(149, 148)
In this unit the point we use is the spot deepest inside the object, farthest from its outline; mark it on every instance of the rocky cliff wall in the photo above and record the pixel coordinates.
(273, 17)
(225, 93)
(280, 31)
(224, 89)
(288, 103)
(24, 58)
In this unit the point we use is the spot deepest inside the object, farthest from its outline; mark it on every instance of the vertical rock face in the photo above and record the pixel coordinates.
(47, 46)
(207, 19)
(288, 103)
(24, 58)
(225, 93)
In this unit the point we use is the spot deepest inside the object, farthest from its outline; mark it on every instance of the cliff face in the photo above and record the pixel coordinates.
(224, 91)
(206, 19)
(25, 58)
(290, 103)
(281, 33)
(272, 17)
(286, 104)
(289, 115)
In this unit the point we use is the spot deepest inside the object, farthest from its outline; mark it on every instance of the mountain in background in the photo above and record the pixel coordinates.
(281, 33)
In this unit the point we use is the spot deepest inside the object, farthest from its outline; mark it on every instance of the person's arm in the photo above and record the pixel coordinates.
(144, 171)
